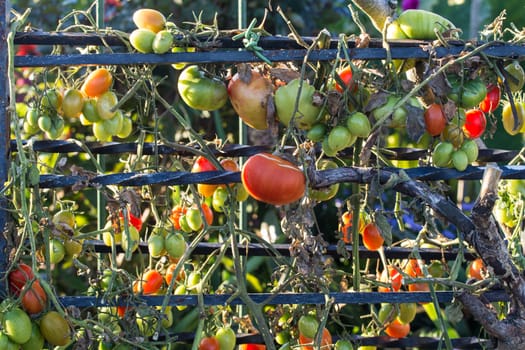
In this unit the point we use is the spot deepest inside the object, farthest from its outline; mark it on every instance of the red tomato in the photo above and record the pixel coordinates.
(271, 179)
(372, 238)
(18, 278)
(209, 343)
(435, 120)
(491, 101)
(477, 269)
(202, 164)
(135, 221)
(346, 226)
(393, 277)
(413, 269)
(169, 274)
(208, 213)
(307, 343)
(475, 123)
(149, 283)
(34, 299)
(346, 76)
(252, 346)
(175, 215)
(396, 329)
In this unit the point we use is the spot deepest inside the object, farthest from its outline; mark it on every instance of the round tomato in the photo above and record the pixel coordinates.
(18, 277)
(338, 138)
(202, 164)
(468, 95)
(17, 325)
(417, 24)
(149, 282)
(156, 245)
(435, 120)
(307, 343)
(175, 215)
(226, 338)
(442, 154)
(372, 238)
(199, 91)
(307, 111)
(249, 96)
(460, 160)
(209, 343)
(491, 101)
(476, 269)
(57, 251)
(475, 123)
(150, 19)
(72, 103)
(513, 124)
(470, 147)
(345, 75)
(105, 104)
(97, 82)
(317, 133)
(162, 42)
(219, 199)
(175, 245)
(51, 101)
(308, 326)
(194, 218)
(142, 40)
(397, 329)
(89, 112)
(271, 179)
(343, 344)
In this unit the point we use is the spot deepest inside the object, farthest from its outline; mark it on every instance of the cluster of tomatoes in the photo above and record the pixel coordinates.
(93, 104)
(151, 34)
(32, 324)
(64, 242)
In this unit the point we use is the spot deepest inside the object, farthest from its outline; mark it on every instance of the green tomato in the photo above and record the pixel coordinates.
(327, 193)
(89, 111)
(126, 128)
(317, 132)
(105, 103)
(219, 198)
(7, 344)
(146, 322)
(175, 245)
(339, 137)
(156, 246)
(142, 40)
(57, 251)
(285, 99)
(162, 42)
(32, 116)
(442, 154)
(73, 103)
(359, 125)
(17, 325)
(343, 344)
(226, 337)
(194, 217)
(407, 312)
(417, 24)
(460, 160)
(131, 242)
(515, 76)
(201, 92)
(308, 326)
(470, 94)
(470, 147)
(51, 101)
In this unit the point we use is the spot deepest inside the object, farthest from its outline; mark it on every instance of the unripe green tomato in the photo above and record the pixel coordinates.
(16, 325)
(57, 251)
(343, 344)
(338, 137)
(460, 160)
(359, 125)
(515, 76)
(142, 40)
(146, 323)
(285, 100)
(317, 132)
(175, 245)
(327, 149)
(130, 243)
(470, 147)
(194, 217)
(51, 101)
(162, 42)
(57, 128)
(156, 245)
(100, 132)
(44, 122)
(105, 104)
(73, 103)
(308, 325)
(442, 154)
(407, 312)
(126, 128)
(240, 192)
(36, 342)
(200, 91)
(219, 198)
(327, 193)
(386, 313)
(32, 116)
(89, 111)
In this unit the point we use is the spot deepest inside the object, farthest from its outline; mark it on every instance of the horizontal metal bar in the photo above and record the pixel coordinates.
(258, 249)
(282, 298)
(236, 56)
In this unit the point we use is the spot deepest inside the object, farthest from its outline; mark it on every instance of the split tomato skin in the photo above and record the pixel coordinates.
(273, 180)
(491, 102)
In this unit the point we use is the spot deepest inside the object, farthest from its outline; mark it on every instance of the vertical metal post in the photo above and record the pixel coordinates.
(4, 131)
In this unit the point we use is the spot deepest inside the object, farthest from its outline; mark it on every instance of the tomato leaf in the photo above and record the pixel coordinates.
(415, 124)
(384, 227)
(454, 312)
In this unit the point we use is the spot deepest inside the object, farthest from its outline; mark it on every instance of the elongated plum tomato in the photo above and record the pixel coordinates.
(97, 82)
(307, 343)
(491, 101)
(249, 94)
(149, 19)
(18, 277)
(345, 75)
(271, 179)
(55, 329)
(203, 164)
(435, 120)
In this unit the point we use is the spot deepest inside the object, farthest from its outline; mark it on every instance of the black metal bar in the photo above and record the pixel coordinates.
(4, 133)
(257, 249)
(284, 298)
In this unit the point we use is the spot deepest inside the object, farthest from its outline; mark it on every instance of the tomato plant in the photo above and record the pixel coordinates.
(274, 180)
(475, 123)
(199, 91)
(372, 238)
(491, 102)
(209, 343)
(435, 120)
(249, 95)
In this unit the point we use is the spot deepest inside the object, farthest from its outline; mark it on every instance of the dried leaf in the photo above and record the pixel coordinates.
(284, 74)
(376, 100)
(245, 72)
(415, 122)
(454, 312)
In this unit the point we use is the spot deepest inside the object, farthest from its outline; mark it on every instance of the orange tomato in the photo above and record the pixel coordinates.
(396, 329)
(175, 215)
(34, 299)
(252, 346)
(307, 343)
(476, 269)
(372, 238)
(393, 277)
(97, 82)
(149, 283)
(169, 273)
(413, 269)
(149, 19)
(202, 164)
(346, 226)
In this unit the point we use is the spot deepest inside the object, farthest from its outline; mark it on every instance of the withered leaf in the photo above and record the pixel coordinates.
(284, 74)
(415, 122)
(376, 100)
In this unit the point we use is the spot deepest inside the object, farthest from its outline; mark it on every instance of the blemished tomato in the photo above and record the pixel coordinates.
(307, 343)
(209, 343)
(285, 100)
(435, 120)
(345, 75)
(149, 282)
(250, 98)
(199, 91)
(397, 329)
(491, 101)
(226, 337)
(476, 269)
(142, 40)
(72, 103)
(372, 238)
(150, 19)
(475, 123)
(271, 179)
(513, 124)
(18, 277)
(17, 325)
(34, 299)
(346, 226)
(97, 82)
(308, 325)
(203, 164)
(105, 103)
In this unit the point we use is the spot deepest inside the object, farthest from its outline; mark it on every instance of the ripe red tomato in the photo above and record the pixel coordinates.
(307, 343)
(346, 76)
(435, 120)
(18, 278)
(209, 343)
(34, 299)
(202, 164)
(396, 329)
(208, 213)
(250, 98)
(252, 346)
(149, 283)
(491, 101)
(475, 123)
(393, 277)
(135, 221)
(271, 179)
(175, 215)
(372, 238)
